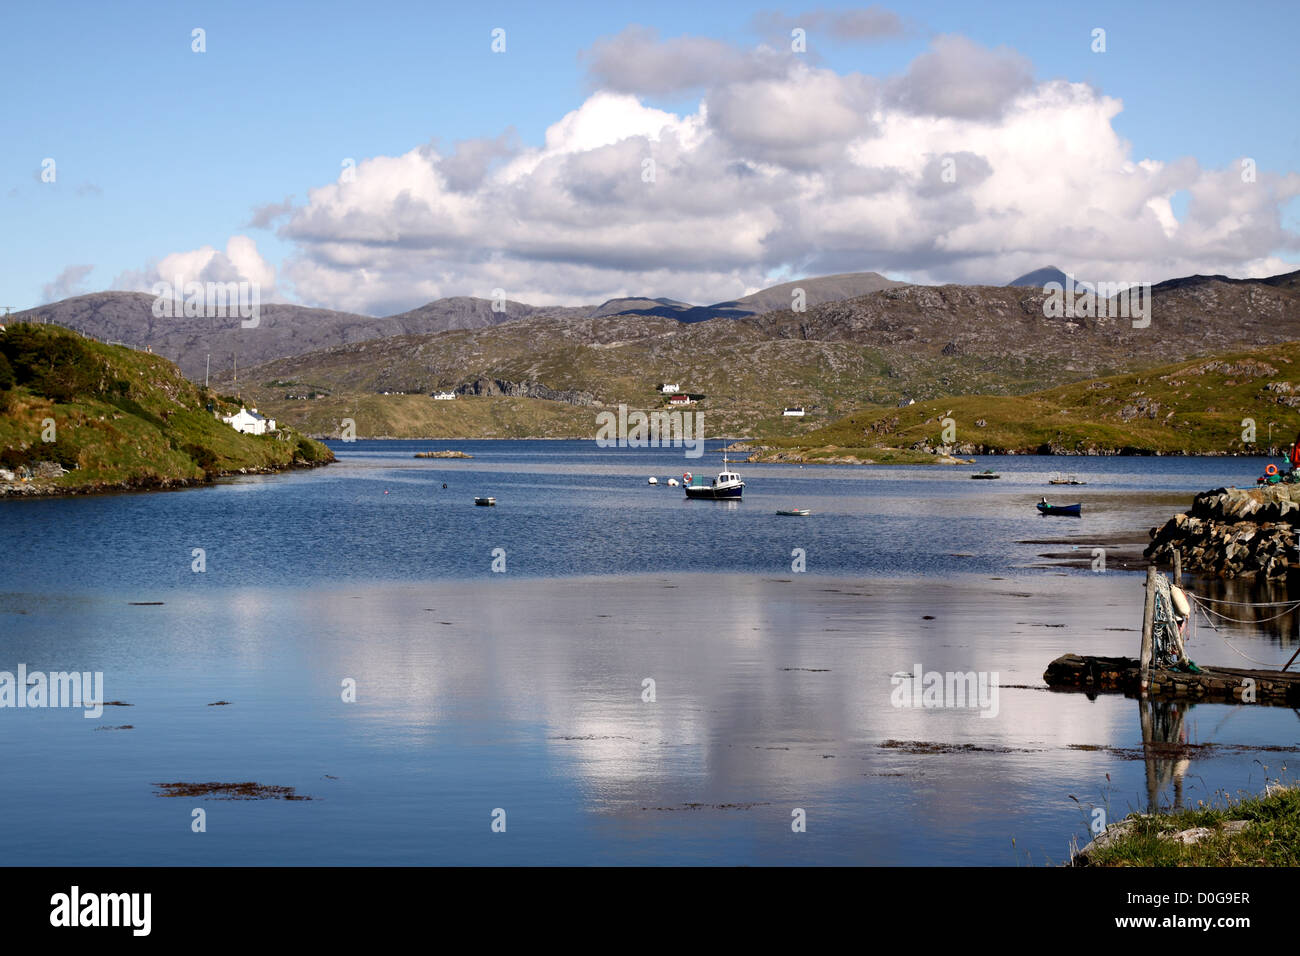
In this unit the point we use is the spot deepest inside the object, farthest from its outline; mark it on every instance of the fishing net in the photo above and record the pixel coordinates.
(1167, 632)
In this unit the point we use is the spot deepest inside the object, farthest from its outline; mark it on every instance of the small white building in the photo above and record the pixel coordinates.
(249, 422)
(669, 389)
(444, 396)
(680, 400)
(795, 412)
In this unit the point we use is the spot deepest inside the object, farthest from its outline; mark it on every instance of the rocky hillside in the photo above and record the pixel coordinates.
(906, 342)
(1232, 533)
(285, 330)
(127, 317)
(78, 416)
(1241, 403)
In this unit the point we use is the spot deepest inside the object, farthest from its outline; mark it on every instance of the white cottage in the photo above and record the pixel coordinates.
(249, 422)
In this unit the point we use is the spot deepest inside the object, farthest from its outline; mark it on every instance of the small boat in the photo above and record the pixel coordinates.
(488, 502)
(1044, 508)
(1065, 480)
(728, 484)
(801, 512)
(987, 474)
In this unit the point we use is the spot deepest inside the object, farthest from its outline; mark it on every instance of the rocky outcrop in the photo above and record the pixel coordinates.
(1231, 532)
(496, 386)
(24, 485)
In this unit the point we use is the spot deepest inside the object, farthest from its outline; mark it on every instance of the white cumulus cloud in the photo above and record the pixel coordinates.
(240, 262)
(963, 167)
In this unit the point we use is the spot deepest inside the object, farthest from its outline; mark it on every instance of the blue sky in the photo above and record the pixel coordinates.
(160, 150)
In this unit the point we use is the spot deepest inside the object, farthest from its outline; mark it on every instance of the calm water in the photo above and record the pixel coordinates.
(568, 508)
(524, 690)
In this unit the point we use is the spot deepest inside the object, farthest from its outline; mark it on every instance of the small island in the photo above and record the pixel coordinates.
(442, 454)
(835, 455)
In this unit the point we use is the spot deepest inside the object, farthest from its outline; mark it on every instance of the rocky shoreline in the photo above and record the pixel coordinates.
(45, 486)
(795, 456)
(1234, 533)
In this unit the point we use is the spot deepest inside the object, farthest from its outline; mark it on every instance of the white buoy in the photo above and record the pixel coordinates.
(653, 481)
(672, 482)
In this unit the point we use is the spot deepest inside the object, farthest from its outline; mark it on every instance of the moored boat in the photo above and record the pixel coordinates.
(727, 485)
(1044, 508)
(801, 512)
(987, 474)
(487, 502)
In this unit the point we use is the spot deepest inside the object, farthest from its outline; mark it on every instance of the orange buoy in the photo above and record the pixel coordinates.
(1271, 469)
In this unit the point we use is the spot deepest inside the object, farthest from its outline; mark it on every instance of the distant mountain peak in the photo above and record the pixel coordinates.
(1040, 277)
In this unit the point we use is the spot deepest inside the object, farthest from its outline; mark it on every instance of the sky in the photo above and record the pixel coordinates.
(372, 157)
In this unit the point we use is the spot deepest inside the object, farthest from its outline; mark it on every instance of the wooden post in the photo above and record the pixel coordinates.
(1178, 568)
(1148, 625)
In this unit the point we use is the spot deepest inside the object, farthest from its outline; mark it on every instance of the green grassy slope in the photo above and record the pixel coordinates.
(1195, 407)
(419, 416)
(120, 419)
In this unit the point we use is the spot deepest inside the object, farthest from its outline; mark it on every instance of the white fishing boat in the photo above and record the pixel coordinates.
(727, 485)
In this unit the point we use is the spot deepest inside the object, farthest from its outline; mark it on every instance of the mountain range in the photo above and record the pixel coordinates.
(285, 330)
(756, 355)
(898, 343)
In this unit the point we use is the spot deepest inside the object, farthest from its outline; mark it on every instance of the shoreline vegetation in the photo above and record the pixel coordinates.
(1243, 403)
(79, 417)
(129, 420)
(1262, 830)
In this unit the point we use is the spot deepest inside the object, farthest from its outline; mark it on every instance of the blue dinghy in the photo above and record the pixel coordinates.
(1074, 511)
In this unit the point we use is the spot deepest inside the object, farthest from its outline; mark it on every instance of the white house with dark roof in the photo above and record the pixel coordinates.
(249, 422)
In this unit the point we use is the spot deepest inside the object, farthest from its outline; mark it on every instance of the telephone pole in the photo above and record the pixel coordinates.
(207, 370)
